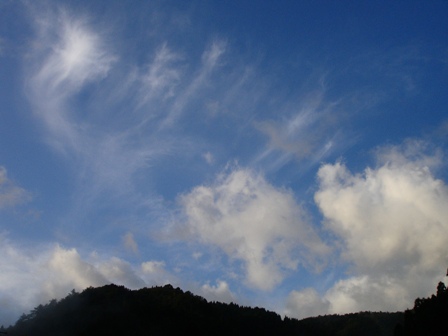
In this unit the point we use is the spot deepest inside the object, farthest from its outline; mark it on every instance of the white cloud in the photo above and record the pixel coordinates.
(252, 221)
(66, 56)
(306, 303)
(67, 271)
(392, 222)
(155, 273)
(121, 272)
(71, 53)
(10, 193)
(220, 292)
(32, 276)
(372, 293)
(76, 54)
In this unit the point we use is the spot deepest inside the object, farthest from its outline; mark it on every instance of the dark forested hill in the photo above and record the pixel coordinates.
(428, 317)
(364, 323)
(115, 310)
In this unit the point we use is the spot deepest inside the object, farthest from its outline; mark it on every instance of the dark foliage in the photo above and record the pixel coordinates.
(115, 310)
(428, 317)
(364, 323)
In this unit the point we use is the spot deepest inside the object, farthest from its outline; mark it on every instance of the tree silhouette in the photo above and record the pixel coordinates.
(428, 317)
(112, 310)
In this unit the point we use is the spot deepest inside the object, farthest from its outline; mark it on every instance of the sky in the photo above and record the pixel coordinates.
(284, 154)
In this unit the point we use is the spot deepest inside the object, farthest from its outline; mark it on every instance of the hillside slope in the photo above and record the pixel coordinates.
(116, 310)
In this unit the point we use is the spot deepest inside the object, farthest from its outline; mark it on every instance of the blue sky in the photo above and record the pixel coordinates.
(284, 154)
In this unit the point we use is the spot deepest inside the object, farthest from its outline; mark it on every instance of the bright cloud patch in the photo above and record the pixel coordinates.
(306, 303)
(392, 222)
(221, 292)
(54, 271)
(77, 54)
(155, 273)
(252, 221)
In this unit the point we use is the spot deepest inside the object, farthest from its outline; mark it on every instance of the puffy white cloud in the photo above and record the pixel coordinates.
(252, 221)
(121, 272)
(391, 222)
(32, 276)
(10, 193)
(306, 303)
(220, 292)
(68, 270)
(372, 293)
(155, 273)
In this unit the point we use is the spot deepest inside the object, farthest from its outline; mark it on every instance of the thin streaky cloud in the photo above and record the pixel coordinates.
(210, 59)
(10, 193)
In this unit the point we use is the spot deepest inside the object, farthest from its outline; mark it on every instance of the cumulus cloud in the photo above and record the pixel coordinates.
(220, 292)
(306, 303)
(155, 273)
(391, 223)
(390, 217)
(32, 276)
(374, 293)
(252, 221)
(121, 272)
(10, 193)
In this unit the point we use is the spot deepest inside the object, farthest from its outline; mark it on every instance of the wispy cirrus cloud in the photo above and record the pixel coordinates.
(69, 58)
(308, 131)
(209, 61)
(10, 193)
(72, 56)
(162, 77)
(129, 242)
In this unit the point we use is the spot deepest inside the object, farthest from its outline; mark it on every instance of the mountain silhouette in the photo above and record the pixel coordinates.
(116, 310)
